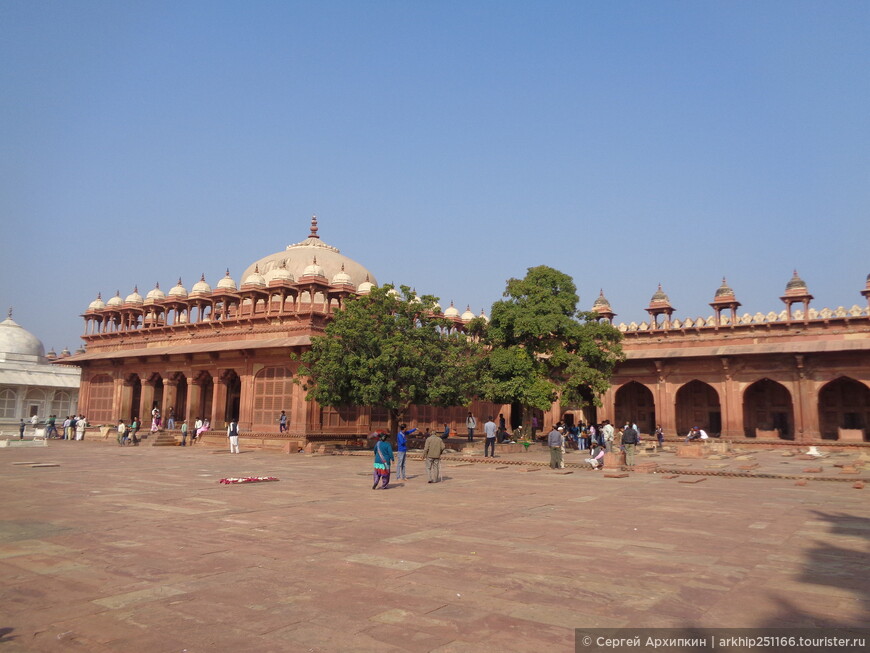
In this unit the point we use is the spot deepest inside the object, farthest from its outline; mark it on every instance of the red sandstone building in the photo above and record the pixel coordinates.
(799, 374)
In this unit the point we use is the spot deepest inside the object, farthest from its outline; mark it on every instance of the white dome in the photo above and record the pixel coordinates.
(451, 311)
(178, 291)
(365, 287)
(98, 304)
(18, 341)
(201, 287)
(279, 274)
(468, 315)
(298, 257)
(155, 295)
(483, 316)
(116, 301)
(313, 270)
(436, 309)
(341, 278)
(226, 284)
(134, 298)
(255, 279)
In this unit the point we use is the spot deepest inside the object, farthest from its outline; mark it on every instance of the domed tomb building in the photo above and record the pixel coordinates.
(228, 350)
(29, 384)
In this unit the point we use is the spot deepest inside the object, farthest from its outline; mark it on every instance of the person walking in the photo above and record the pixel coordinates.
(554, 441)
(170, 419)
(80, 425)
(197, 425)
(489, 430)
(233, 436)
(383, 460)
(470, 424)
(660, 435)
(629, 442)
(184, 433)
(21, 428)
(67, 429)
(34, 421)
(432, 450)
(122, 432)
(282, 422)
(402, 451)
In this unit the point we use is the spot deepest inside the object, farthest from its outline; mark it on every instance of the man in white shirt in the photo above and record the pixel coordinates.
(233, 435)
(470, 424)
(489, 429)
(607, 432)
(696, 434)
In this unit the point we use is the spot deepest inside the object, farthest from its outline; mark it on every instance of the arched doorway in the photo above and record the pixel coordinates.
(135, 397)
(698, 405)
(234, 394)
(844, 404)
(767, 406)
(634, 401)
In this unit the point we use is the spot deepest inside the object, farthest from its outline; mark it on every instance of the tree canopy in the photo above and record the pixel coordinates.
(387, 349)
(542, 348)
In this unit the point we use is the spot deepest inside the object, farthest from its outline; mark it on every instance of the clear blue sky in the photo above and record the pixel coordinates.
(445, 145)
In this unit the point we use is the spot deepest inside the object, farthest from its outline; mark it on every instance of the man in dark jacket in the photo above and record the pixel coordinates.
(629, 442)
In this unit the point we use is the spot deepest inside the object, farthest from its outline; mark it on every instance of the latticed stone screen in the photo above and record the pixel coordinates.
(8, 399)
(273, 392)
(100, 400)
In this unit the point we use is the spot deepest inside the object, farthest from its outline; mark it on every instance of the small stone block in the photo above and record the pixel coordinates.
(670, 476)
(697, 479)
(46, 465)
(858, 485)
(30, 462)
(748, 467)
(531, 469)
(812, 470)
(565, 471)
(848, 470)
(807, 457)
(616, 475)
(802, 481)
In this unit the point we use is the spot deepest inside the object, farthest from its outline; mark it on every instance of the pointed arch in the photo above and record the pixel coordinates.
(697, 404)
(767, 408)
(844, 404)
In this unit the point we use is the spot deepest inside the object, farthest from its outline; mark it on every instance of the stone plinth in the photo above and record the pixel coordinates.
(764, 434)
(614, 459)
(41, 442)
(690, 450)
(851, 435)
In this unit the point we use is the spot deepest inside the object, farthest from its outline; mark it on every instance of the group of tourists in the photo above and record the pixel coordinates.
(73, 427)
(433, 448)
(599, 439)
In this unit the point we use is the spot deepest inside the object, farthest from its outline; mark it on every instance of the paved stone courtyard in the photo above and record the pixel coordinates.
(141, 549)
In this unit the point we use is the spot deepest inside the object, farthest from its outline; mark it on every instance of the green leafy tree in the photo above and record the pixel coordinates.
(543, 349)
(387, 349)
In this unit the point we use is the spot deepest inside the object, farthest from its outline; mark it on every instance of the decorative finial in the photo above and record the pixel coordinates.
(284, 264)
(136, 289)
(342, 267)
(9, 313)
(179, 281)
(313, 233)
(315, 260)
(202, 278)
(228, 272)
(99, 295)
(157, 285)
(724, 283)
(257, 269)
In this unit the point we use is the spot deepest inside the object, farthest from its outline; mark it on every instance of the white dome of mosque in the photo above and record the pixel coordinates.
(365, 287)
(98, 304)
(134, 297)
(436, 308)
(314, 270)
(155, 295)
(201, 287)
(468, 315)
(483, 316)
(280, 273)
(342, 278)
(227, 284)
(451, 311)
(299, 257)
(255, 279)
(15, 340)
(116, 301)
(178, 291)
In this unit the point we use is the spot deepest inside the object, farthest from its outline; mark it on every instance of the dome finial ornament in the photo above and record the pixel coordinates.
(313, 233)
(9, 313)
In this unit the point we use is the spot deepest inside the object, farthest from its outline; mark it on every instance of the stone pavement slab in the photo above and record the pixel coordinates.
(141, 549)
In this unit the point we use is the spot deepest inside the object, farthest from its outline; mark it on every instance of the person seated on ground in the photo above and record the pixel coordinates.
(596, 456)
(696, 434)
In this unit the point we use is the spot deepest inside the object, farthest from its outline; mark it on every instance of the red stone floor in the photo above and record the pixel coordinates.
(141, 549)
